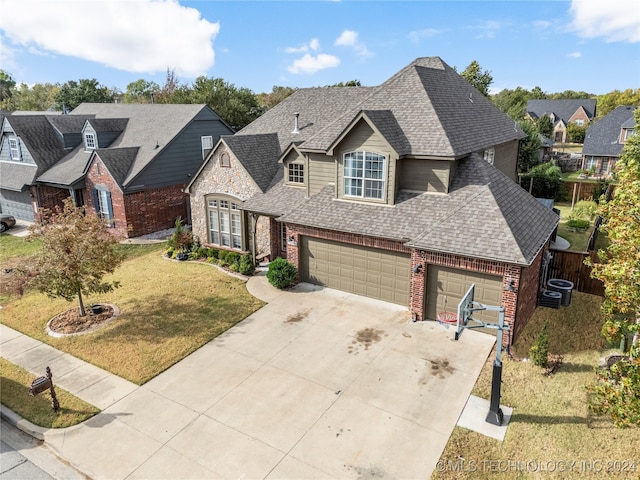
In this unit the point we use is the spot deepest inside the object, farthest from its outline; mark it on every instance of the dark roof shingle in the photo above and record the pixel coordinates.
(603, 136)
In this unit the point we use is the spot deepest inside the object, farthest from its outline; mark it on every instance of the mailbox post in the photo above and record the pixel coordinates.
(41, 384)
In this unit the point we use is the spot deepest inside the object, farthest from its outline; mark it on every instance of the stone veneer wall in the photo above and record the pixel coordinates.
(233, 180)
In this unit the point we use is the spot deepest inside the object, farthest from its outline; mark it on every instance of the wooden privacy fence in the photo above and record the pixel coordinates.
(570, 266)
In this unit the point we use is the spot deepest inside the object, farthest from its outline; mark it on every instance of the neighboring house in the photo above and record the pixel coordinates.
(604, 140)
(562, 113)
(404, 192)
(128, 162)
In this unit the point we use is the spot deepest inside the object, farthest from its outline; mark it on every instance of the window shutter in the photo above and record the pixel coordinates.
(96, 201)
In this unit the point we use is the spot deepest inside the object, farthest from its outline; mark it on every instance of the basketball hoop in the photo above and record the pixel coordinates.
(447, 318)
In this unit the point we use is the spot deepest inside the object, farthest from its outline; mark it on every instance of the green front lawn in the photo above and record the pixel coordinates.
(550, 423)
(168, 309)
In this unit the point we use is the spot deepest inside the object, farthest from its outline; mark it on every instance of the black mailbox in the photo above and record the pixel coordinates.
(39, 385)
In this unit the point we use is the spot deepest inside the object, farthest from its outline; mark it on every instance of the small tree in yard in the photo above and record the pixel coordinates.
(616, 393)
(539, 351)
(77, 252)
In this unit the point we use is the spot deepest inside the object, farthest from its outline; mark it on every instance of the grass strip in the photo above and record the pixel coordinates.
(14, 393)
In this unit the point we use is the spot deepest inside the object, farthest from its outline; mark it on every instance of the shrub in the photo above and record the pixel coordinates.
(169, 252)
(212, 252)
(181, 238)
(246, 264)
(222, 257)
(539, 351)
(281, 273)
(233, 258)
(579, 224)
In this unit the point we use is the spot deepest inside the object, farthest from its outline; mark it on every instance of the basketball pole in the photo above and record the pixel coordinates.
(466, 307)
(495, 415)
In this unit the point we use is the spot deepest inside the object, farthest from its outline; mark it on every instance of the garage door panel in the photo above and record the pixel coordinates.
(361, 270)
(446, 286)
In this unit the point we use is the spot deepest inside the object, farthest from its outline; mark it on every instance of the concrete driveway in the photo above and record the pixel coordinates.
(317, 384)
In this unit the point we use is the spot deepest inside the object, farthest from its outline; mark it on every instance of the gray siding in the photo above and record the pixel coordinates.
(182, 158)
(71, 140)
(362, 137)
(322, 172)
(424, 175)
(105, 139)
(5, 152)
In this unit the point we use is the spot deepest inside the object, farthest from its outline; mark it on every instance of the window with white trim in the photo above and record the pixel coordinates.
(364, 174)
(102, 204)
(89, 141)
(296, 173)
(207, 145)
(225, 223)
(579, 122)
(489, 155)
(14, 149)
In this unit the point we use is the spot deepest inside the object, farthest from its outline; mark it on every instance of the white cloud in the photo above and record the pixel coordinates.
(314, 44)
(310, 64)
(615, 20)
(574, 55)
(416, 35)
(142, 36)
(349, 38)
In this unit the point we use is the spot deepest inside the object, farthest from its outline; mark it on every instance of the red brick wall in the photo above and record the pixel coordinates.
(137, 213)
(49, 198)
(99, 175)
(152, 210)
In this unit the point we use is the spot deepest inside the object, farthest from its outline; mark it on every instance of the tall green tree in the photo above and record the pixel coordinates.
(39, 97)
(277, 94)
(544, 126)
(512, 102)
(7, 85)
(529, 150)
(73, 93)
(610, 101)
(76, 253)
(141, 91)
(616, 391)
(237, 106)
(476, 77)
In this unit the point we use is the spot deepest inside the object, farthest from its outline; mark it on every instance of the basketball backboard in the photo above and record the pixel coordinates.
(464, 310)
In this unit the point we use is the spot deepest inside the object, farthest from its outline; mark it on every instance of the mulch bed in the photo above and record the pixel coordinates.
(71, 322)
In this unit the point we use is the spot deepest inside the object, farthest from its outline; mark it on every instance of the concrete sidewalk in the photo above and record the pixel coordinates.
(316, 384)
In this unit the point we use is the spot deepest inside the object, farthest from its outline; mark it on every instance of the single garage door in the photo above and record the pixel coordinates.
(446, 286)
(17, 204)
(361, 270)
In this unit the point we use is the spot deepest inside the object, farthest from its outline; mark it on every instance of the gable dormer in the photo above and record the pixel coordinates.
(89, 137)
(626, 133)
(366, 160)
(295, 167)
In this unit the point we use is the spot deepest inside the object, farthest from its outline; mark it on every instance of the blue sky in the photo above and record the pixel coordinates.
(590, 45)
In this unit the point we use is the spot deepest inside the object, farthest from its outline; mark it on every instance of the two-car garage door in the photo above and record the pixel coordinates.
(361, 270)
(446, 287)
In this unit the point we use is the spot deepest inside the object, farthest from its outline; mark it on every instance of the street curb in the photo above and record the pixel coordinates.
(20, 423)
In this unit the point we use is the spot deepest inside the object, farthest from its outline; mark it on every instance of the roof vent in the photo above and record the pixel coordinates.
(296, 128)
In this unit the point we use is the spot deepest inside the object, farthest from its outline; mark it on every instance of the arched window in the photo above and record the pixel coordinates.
(225, 223)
